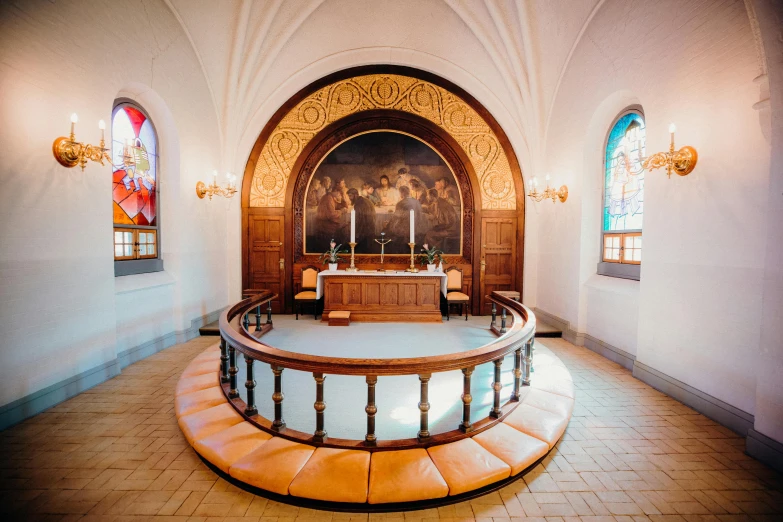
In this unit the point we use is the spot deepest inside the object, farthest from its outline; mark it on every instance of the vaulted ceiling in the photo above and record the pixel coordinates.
(516, 51)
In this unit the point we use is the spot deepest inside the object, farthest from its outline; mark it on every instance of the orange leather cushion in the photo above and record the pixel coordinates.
(466, 465)
(551, 402)
(206, 422)
(404, 476)
(273, 465)
(457, 296)
(228, 446)
(337, 475)
(543, 425)
(201, 367)
(564, 387)
(309, 278)
(196, 383)
(453, 280)
(199, 400)
(307, 294)
(339, 314)
(511, 446)
(211, 353)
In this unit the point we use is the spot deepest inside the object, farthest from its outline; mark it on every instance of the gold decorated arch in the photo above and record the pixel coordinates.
(383, 91)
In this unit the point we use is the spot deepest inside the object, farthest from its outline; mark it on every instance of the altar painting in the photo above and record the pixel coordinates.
(383, 176)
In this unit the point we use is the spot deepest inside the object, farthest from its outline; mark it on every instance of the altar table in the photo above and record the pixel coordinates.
(382, 296)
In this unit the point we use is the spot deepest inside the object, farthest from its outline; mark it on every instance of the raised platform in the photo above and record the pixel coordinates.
(348, 479)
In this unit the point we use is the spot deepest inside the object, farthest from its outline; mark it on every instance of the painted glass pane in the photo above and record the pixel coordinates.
(624, 176)
(134, 160)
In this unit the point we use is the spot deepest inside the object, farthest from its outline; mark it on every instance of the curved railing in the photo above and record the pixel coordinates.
(516, 332)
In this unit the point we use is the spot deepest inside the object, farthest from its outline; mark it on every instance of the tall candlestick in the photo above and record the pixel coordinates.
(413, 228)
(353, 225)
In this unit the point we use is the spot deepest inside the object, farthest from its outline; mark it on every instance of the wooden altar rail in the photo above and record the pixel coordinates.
(516, 333)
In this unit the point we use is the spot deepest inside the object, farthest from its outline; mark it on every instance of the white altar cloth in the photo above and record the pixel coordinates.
(325, 273)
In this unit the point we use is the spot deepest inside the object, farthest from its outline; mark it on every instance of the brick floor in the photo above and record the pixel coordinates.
(630, 454)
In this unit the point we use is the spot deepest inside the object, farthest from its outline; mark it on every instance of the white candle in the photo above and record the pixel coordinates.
(353, 226)
(102, 126)
(413, 228)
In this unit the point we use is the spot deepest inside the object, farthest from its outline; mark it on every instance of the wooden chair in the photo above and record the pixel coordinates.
(307, 295)
(454, 293)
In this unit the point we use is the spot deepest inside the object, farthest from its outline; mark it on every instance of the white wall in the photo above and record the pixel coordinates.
(62, 310)
(695, 315)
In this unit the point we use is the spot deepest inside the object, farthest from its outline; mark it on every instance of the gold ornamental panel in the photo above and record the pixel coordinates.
(383, 91)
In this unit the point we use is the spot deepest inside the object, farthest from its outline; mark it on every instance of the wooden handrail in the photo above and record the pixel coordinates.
(238, 337)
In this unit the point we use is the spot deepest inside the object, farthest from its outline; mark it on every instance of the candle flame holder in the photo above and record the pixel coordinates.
(412, 268)
(352, 268)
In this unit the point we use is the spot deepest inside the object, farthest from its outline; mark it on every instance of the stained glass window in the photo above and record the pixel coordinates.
(623, 208)
(134, 182)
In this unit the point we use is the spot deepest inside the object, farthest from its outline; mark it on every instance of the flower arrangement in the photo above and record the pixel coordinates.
(430, 255)
(333, 254)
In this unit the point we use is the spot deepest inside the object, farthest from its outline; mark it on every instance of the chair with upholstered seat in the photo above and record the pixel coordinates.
(454, 293)
(307, 295)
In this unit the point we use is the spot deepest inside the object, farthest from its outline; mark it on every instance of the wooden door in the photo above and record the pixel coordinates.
(498, 257)
(266, 258)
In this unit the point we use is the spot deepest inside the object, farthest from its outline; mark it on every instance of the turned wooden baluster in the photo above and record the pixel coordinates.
(503, 321)
(371, 409)
(424, 407)
(258, 317)
(528, 361)
(223, 361)
(495, 412)
(269, 312)
(246, 320)
(250, 385)
(233, 393)
(319, 406)
(465, 426)
(494, 314)
(517, 374)
(278, 397)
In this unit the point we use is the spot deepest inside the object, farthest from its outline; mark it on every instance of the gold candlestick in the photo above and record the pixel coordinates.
(352, 268)
(412, 268)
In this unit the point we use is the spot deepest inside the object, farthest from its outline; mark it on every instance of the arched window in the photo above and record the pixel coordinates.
(134, 190)
(623, 205)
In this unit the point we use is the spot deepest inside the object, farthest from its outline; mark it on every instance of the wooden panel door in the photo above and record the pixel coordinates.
(266, 264)
(498, 257)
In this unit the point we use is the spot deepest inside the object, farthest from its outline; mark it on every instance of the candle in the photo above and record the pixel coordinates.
(672, 128)
(413, 228)
(353, 226)
(74, 119)
(102, 126)
(214, 178)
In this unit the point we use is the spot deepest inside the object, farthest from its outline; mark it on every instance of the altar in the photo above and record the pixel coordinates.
(373, 296)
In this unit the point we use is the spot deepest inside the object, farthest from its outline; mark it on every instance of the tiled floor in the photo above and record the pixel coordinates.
(630, 454)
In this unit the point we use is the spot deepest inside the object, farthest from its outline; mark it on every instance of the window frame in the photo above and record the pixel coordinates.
(621, 269)
(140, 264)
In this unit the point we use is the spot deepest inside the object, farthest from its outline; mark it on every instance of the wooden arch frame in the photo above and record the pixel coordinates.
(472, 263)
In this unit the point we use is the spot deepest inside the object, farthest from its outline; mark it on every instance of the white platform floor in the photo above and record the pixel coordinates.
(397, 397)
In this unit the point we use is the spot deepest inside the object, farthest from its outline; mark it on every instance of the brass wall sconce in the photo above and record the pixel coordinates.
(548, 193)
(681, 161)
(68, 152)
(214, 189)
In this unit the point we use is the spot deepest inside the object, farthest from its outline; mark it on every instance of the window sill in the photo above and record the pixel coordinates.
(620, 270)
(137, 266)
(134, 283)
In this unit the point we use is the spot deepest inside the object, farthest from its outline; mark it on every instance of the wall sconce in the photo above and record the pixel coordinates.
(682, 161)
(216, 190)
(554, 195)
(68, 152)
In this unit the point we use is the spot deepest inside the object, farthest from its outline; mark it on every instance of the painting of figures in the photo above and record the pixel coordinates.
(383, 176)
